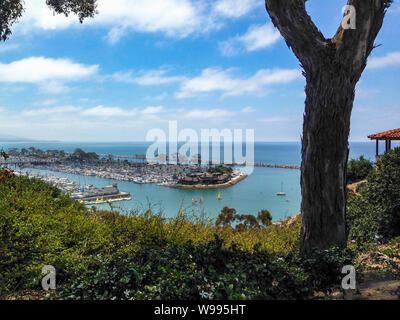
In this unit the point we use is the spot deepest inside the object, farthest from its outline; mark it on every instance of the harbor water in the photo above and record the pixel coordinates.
(255, 193)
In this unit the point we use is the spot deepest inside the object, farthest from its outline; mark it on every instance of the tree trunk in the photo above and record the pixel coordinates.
(324, 158)
(332, 68)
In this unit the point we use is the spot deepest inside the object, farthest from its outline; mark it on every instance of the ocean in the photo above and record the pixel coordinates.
(253, 194)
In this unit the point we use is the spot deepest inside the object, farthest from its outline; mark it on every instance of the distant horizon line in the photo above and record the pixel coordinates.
(143, 141)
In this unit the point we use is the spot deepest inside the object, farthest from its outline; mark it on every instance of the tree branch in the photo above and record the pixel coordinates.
(297, 28)
(356, 44)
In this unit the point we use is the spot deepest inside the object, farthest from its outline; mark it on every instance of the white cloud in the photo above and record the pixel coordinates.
(101, 111)
(257, 37)
(235, 8)
(216, 79)
(152, 110)
(53, 87)
(146, 78)
(175, 18)
(97, 123)
(61, 113)
(391, 59)
(40, 69)
(47, 102)
(248, 110)
(115, 34)
(260, 36)
(208, 114)
(49, 111)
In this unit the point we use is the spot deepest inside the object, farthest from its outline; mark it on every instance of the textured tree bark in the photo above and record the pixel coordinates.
(326, 127)
(332, 68)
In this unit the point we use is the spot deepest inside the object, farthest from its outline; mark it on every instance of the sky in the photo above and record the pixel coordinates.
(206, 64)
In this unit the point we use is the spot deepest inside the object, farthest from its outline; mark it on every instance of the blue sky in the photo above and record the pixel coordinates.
(207, 64)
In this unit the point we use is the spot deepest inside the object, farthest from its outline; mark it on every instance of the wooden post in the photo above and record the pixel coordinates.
(377, 147)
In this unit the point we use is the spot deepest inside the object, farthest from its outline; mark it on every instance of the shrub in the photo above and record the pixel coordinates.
(375, 215)
(228, 217)
(363, 222)
(210, 271)
(358, 170)
(383, 192)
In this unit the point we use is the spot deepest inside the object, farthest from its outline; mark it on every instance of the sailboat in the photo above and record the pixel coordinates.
(281, 193)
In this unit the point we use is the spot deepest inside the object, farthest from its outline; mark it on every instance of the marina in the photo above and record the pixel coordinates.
(256, 192)
(90, 164)
(87, 195)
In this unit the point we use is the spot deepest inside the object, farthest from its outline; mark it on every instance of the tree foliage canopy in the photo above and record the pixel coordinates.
(12, 10)
(359, 169)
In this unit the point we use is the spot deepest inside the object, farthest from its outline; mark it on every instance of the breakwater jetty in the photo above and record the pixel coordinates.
(20, 162)
(262, 165)
(281, 166)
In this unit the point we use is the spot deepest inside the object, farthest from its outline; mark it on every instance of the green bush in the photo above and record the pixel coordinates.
(358, 170)
(210, 271)
(374, 217)
(363, 222)
(383, 192)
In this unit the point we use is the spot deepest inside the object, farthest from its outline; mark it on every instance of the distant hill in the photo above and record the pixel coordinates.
(9, 138)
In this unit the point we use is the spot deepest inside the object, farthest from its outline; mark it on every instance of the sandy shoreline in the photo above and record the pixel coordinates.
(228, 184)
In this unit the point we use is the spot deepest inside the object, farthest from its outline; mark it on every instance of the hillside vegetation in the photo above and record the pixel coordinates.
(141, 255)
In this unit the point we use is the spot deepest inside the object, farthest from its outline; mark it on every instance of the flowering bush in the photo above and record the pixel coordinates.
(7, 178)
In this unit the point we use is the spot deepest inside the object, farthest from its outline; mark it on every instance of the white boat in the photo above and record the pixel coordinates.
(281, 193)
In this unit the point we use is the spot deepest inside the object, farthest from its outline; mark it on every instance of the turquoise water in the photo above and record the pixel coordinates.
(253, 194)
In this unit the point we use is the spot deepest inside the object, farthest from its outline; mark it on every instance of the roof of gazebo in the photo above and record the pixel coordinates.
(386, 135)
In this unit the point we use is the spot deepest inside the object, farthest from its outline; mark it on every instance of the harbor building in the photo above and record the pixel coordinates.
(93, 195)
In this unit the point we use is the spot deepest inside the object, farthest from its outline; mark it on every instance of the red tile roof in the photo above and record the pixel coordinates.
(387, 135)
